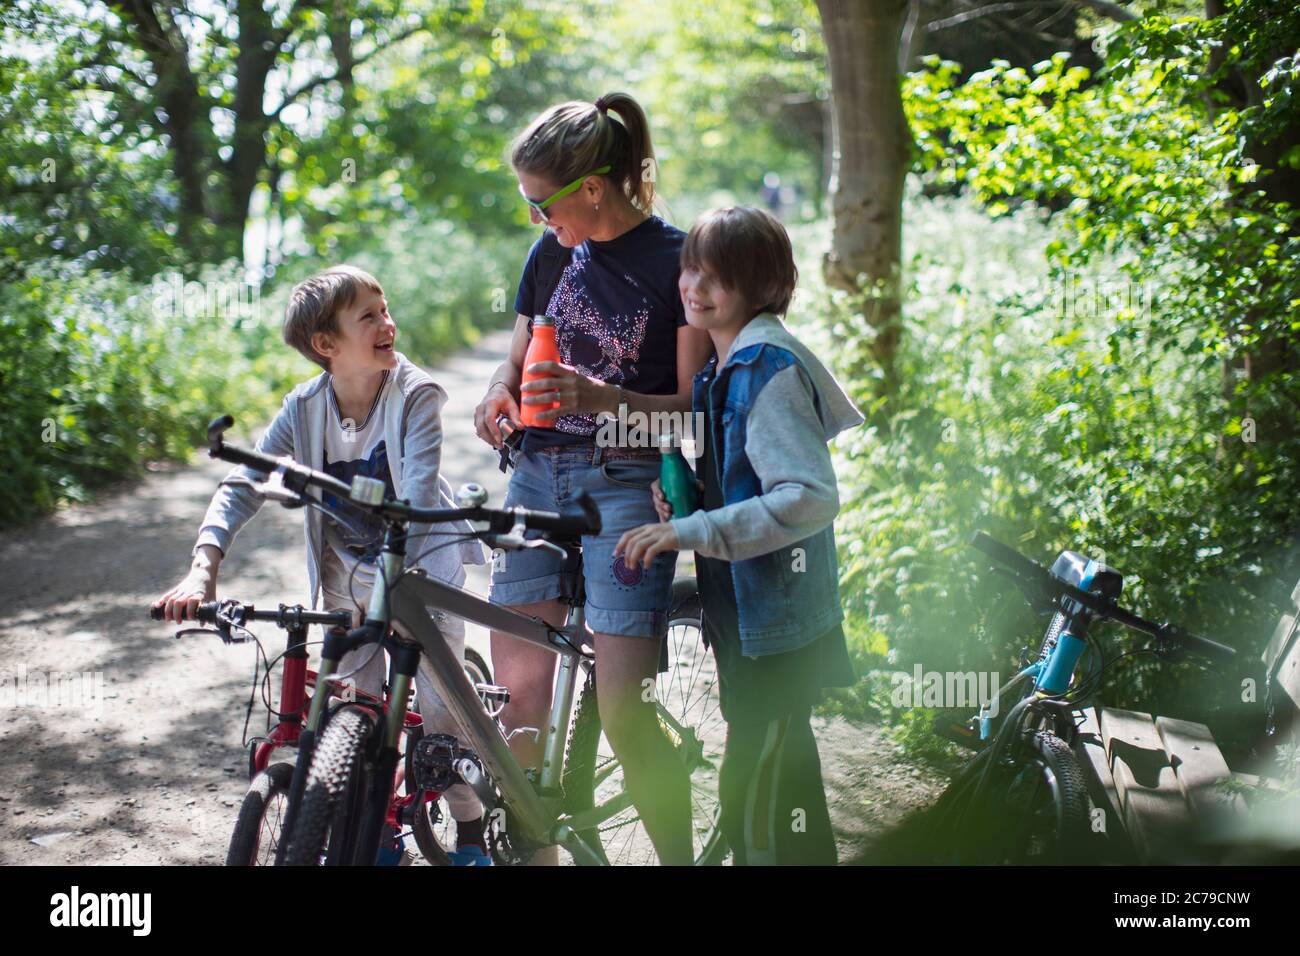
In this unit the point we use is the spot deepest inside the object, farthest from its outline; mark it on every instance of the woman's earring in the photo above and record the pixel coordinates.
(597, 207)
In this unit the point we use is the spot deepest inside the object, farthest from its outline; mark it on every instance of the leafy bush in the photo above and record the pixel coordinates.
(1116, 379)
(99, 375)
(1051, 410)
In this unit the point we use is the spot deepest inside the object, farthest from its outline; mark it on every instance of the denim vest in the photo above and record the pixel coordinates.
(789, 597)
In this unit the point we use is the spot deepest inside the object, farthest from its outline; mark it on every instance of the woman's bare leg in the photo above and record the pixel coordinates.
(528, 672)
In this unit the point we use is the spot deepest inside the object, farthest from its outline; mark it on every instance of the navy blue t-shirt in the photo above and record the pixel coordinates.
(617, 311)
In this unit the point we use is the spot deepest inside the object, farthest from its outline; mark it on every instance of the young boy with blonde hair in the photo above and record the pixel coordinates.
(370, 412)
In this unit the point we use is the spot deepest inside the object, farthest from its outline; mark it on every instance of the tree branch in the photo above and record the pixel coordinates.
(985, 11)
(1107, 9)
(357, 61)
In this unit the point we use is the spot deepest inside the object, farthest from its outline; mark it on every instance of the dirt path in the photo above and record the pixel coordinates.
(142, 764)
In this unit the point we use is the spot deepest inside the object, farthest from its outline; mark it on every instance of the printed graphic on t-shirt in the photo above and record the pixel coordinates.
(353, 450)
(607, 347)
(617, 311)
(367, 535)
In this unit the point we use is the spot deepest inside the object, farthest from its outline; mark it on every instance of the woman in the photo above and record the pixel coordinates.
(606, 270)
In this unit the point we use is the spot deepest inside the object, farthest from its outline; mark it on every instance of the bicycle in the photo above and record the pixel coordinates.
(351, 751)
(264, 811)
(1024, 797)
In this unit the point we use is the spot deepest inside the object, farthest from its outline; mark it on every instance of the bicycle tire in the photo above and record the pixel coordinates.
(1067, 830)
(254, 842)
(1034, 811)
(590, 773)
(327, 822)
(432, 837)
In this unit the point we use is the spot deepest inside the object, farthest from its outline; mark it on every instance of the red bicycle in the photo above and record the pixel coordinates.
(265, 815)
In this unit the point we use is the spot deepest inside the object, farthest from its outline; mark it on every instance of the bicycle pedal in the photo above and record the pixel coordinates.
(395, 855)
(962, 734)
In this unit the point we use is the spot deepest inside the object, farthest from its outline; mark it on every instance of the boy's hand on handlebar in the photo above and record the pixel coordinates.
(497, 402)
(182, 602)
(642, 545)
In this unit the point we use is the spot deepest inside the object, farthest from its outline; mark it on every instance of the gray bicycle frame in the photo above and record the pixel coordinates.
(403, 606)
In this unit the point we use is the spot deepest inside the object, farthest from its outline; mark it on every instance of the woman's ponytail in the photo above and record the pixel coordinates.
(638, 171)
(574, 138)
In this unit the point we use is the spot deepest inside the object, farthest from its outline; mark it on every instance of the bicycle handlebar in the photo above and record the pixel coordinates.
(217, 612)
(584, 520)
(1044, 580)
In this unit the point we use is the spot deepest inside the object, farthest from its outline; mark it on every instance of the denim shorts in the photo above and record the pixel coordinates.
(623, 601)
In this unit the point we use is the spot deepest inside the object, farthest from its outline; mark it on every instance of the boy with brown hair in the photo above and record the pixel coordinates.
(370, 412)
(763, 537)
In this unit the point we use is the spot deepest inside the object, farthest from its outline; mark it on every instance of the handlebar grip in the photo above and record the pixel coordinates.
(216, 429)
(590, 512)
(1203, 646)
(207, 613)
(1007, 555)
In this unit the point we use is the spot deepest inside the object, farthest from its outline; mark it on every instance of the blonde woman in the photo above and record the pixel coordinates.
(606, 269)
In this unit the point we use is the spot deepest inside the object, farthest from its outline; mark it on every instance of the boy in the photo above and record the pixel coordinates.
(765, 549)
(374, 413)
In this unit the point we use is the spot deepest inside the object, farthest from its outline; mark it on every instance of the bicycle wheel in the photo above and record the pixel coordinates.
(1034, 810)
(1048, 799)
(432, 826)
(689, 714)
(328, 821)
(261, 816)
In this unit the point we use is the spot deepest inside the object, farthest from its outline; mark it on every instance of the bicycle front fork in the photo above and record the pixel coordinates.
(405, 661)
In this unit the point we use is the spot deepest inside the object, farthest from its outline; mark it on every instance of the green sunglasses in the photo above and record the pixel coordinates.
(540, 206)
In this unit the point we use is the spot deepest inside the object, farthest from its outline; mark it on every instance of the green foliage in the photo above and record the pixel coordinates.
(1139, 163)
(1053, 420)
(444, 285)
(316, 126)
(99, 375)
(734, 90)
(428, 134)
(1106, 365)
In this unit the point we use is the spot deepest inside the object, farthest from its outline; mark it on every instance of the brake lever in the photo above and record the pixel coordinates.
(222, 631)
(273, 489)
(547, 545)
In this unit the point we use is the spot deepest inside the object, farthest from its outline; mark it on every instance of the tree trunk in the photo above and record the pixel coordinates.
(184, 117)
(872, 149)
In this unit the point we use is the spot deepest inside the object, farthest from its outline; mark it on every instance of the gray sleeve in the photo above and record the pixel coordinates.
(799, 497)
(232, 507)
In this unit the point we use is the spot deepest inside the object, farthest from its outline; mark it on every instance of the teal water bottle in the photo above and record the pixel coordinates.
(676, 477)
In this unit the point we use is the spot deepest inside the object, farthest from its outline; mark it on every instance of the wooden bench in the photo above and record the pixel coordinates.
(1161, 788)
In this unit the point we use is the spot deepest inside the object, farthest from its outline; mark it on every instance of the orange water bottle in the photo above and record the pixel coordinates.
(541, 348)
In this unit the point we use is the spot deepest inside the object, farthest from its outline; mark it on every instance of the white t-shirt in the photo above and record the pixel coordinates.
(351, 449)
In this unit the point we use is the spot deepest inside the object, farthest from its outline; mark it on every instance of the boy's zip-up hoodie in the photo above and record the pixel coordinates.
(772, 407)
(413, 435)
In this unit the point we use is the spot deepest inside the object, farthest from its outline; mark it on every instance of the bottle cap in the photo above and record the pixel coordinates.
(543, 320)
(667, 442)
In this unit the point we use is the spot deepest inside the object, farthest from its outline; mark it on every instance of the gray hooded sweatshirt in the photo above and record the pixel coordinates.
(786, 440)
(412, 432)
